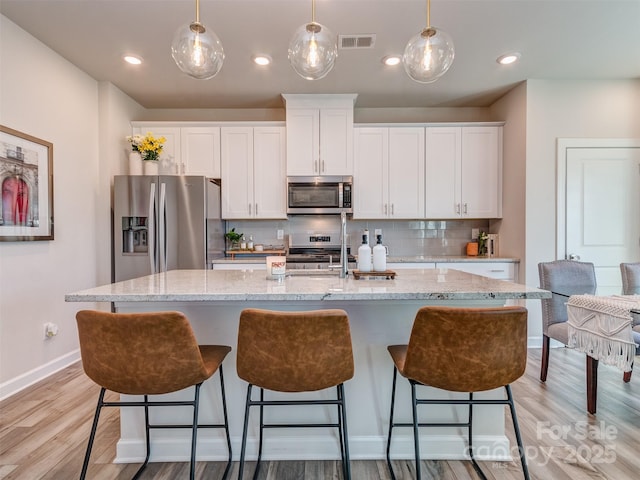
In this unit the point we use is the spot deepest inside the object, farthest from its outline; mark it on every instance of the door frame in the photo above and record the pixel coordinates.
(563, 146)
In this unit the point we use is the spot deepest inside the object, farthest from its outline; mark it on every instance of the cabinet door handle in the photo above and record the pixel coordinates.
(392, 209)
(385, 208)
(249, 209)
(315, 166)
(323, 170)
(458, 208)
(256, 209)
(465, 209)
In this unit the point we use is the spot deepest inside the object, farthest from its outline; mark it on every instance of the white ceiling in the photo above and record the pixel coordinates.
(558, 39)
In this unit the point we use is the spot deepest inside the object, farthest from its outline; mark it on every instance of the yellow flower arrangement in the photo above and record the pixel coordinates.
(149, 147)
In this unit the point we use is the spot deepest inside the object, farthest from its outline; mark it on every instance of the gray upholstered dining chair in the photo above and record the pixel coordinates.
(630, 278)
(631, 286)
(568, 277)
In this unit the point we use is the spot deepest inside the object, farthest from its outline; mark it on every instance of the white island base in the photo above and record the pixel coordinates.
(381, 313)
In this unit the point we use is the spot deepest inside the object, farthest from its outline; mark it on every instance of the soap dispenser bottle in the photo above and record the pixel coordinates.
(364, 255)
(379, 256)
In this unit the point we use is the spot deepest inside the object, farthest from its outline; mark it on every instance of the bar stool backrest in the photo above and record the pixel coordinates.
(467, 349)
(294, 351)
(140, 353)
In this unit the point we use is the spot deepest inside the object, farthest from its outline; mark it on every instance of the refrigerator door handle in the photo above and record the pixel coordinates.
(162, 233)
(152, 229)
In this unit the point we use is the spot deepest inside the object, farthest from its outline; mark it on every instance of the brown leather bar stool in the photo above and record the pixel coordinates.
(295, 352)
(443, 354)
(148, 354)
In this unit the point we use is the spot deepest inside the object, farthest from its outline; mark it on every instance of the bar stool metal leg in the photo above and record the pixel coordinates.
(416, 433)
(391, 423)
(516, 427)
(342, 411)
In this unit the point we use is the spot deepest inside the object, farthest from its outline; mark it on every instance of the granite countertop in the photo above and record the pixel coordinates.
(391, 259)
(252, 285)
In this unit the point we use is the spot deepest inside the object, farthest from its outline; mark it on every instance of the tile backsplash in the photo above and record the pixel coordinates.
(403, 237)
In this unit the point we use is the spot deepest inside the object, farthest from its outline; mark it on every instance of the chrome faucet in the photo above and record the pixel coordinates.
(344, 259)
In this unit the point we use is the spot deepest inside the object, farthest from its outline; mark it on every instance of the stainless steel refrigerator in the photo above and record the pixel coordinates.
(165, 223)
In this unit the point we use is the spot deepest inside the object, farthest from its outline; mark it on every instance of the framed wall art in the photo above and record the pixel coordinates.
(26, 183)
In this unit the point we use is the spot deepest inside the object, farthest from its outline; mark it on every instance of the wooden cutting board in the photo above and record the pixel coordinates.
(388, 274)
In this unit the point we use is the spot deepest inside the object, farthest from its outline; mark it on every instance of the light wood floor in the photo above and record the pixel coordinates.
(43, 433)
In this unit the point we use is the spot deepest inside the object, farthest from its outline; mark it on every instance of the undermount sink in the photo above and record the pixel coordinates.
(312, 272)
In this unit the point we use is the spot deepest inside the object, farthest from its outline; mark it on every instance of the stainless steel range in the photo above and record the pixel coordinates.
(316, 251)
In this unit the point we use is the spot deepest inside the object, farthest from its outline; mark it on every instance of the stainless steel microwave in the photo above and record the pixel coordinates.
(326, 195)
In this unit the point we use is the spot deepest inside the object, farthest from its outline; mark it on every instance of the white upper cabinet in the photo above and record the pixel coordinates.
(171, 156)
(188, 150)
(253, 172)
(319, 134)
(200, 151)
(389, 172)
(464, 172)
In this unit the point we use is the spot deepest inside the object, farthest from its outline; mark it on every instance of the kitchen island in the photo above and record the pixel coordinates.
(381, 312)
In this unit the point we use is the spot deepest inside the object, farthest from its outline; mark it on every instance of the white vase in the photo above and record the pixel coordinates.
(151, 167)
(135, 163)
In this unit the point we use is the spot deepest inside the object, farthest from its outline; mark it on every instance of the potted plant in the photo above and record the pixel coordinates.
(149, 148)
(234, 238)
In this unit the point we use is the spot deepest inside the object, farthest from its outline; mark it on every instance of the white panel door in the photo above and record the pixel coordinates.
(406, 172)
(603, 210)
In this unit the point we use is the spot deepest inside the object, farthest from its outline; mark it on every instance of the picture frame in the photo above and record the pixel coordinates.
(26, 187)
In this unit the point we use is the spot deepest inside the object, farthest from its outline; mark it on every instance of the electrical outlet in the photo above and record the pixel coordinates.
(475, 232)
(279, 234)
(50, 330)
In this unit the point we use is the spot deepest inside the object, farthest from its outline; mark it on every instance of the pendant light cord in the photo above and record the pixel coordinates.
(197, 11)
(313, 11)
(428, 13)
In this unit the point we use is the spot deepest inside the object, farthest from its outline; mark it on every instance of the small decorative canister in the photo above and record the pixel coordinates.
(135, 163)
(151, 167)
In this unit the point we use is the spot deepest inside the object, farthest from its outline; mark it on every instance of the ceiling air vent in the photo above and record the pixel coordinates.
(357, 41)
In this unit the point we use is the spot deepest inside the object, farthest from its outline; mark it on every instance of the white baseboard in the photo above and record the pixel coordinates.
(15, 385)
(447, 447)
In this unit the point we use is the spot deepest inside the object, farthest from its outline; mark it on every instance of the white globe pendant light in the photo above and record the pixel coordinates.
(312, 49)
(196, 50)
(429, 54)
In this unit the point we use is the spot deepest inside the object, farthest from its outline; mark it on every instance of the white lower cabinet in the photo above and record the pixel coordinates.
(498, 270)
(394, 266)
(253, 172)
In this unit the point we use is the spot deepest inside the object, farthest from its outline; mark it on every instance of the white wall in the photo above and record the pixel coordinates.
(43, 95)
(512, 109)
(569, 109)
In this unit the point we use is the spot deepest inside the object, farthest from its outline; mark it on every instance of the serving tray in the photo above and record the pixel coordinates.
(388, 274)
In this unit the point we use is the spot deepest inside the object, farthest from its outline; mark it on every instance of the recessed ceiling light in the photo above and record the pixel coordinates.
(261, 60)
(391, 60)
(132, 59)
(508, 58)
